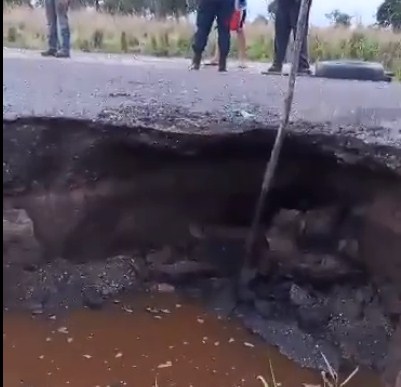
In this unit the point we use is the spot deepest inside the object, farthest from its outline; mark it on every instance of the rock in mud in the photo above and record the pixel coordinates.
(112, 276)
(349, 248)
(282, 234)
(288, 221)
(92, 298)
(19, 242)
(159, 257)
(324, 268)
(300, 296)
(343, 302)
(163, 287)
(282, 246)
(182, 271)
(224, 252)
(318, 227)
(380, 240)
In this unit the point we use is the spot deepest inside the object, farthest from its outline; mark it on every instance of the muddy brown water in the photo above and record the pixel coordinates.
(155, 341)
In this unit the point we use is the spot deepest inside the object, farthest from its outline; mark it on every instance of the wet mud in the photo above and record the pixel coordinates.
(91, 215)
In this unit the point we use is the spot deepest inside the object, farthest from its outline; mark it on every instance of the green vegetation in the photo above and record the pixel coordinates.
(389, 14)
(25, 27)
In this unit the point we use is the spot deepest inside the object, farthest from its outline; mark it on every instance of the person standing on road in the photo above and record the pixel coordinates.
(240, 7)
(208, 11)
(286, 18)
(57, 19)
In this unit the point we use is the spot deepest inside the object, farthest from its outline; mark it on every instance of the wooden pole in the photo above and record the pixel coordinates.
(278, 143)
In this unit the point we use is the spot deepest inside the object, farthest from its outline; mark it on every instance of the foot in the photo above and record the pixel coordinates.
(273, 69)
(49, 52)
(222, 65)
(62, 54)
(196, 62)
(194, 66)
(213, 62)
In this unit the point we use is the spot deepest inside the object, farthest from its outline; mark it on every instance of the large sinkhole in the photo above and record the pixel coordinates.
(175, 208)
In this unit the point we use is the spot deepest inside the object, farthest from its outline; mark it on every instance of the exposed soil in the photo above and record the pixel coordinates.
(88, 216)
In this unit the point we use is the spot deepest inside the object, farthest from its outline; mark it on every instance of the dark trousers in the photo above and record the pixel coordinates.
(208, 11)
(286, 21)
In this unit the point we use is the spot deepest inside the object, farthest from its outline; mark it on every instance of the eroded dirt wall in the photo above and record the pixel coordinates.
(83, 204)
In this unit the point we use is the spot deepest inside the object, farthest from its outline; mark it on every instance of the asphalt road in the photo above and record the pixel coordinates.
(88, 83)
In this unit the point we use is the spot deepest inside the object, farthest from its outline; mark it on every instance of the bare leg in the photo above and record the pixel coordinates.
(241, 47)
(216, 55)
(215, 59)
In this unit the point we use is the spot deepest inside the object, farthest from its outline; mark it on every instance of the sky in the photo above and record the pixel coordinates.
(363, 10)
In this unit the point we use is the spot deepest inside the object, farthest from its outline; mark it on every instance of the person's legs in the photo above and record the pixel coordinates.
(204, 20)
(241, 47)
(224, 12)
(303, 66)
(52, 40)
(216, 52)
(282, 28)
(62, 17)
(242, 41)
(215, 59)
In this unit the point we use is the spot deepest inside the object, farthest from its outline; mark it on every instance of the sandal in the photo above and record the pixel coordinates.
(211, 63)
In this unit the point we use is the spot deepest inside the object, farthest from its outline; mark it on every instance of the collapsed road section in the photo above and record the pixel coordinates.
(102, 202)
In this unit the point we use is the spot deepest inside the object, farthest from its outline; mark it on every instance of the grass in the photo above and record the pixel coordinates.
(329, 378)
(98, 32)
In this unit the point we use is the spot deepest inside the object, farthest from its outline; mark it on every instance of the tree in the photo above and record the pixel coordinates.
(125, 7)
(17, 3)
(389, 14)
(158, 8)
(260, 19)
(176, 8)
(339, 19)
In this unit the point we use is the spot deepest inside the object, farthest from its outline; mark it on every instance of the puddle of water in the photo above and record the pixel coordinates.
(124, 345)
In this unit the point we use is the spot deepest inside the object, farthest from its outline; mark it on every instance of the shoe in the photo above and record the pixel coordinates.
(62, 54)
(196, 62)
(49, 52)
(212, 63)
(222, 65)
(273, 69)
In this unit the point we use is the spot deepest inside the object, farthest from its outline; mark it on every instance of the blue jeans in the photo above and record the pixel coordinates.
(57, 20)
